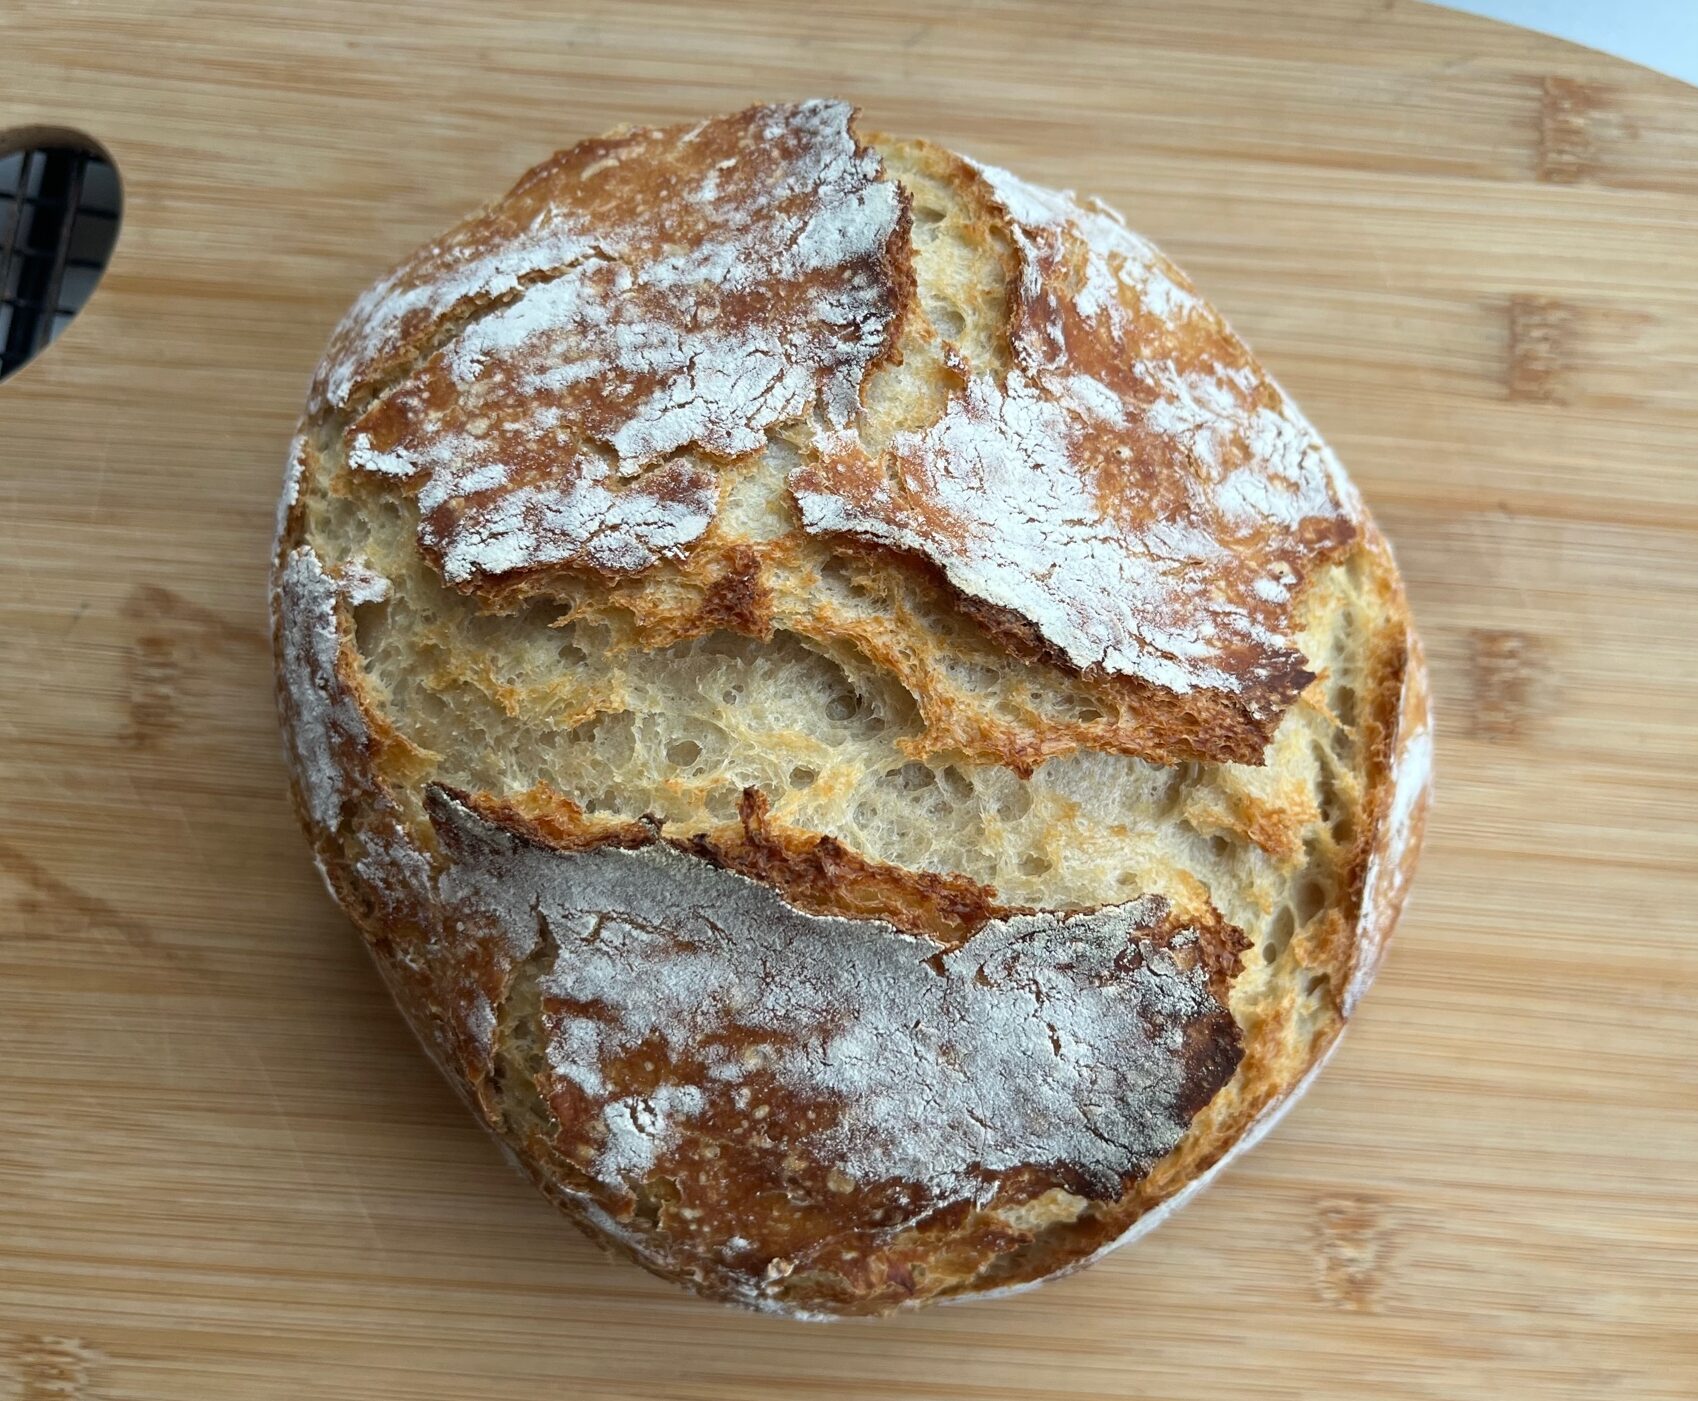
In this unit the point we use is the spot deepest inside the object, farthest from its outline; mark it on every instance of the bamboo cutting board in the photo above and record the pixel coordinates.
(225, 1169)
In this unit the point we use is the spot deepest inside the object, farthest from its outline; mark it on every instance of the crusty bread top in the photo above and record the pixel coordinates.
(745, 288)
(680, 739)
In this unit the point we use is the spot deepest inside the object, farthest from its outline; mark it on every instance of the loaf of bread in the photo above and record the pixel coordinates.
(867, 735)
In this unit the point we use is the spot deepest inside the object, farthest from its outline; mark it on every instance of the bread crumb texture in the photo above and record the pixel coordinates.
(868, 736)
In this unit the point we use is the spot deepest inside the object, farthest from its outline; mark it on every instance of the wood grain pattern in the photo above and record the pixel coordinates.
(1468, 251)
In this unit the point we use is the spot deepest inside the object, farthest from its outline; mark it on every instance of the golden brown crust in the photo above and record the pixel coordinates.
(617, 999)
(766, 1195)
(684, 294)
(1401, 794)
(447, 985)
(822, 876)
(727, 278)
(434, 920)
(1342, 952)
(1132, 497)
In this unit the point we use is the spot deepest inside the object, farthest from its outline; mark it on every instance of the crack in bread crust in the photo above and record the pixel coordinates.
(911, 778)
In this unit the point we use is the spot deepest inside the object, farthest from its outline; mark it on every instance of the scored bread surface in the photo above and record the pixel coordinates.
(866, 734)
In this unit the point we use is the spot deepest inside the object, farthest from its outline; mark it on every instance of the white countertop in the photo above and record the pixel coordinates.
(1661, 34)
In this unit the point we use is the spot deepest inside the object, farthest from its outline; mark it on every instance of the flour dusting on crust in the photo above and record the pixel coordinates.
(1135, 488)
(1072, 1045)
(326, 721)
(1391, 867)
(743, 274)
(484, 259)
(328, 731)
(293, 473)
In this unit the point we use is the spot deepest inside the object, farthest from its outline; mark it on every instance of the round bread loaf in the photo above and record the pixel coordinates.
(866, 734)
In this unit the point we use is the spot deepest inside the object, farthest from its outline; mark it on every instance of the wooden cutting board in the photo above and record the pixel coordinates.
(1470, 252)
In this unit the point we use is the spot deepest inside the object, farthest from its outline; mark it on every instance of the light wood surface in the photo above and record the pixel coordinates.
(1470, 253)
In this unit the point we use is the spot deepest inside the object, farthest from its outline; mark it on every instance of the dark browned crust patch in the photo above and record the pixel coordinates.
(822, 876)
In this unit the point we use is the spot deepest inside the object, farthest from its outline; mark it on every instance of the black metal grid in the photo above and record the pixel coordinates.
(58, 222)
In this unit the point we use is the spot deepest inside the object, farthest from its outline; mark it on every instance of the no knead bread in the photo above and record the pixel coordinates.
(866, 734)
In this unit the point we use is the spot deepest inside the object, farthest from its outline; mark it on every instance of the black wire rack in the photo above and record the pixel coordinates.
(59, 214)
